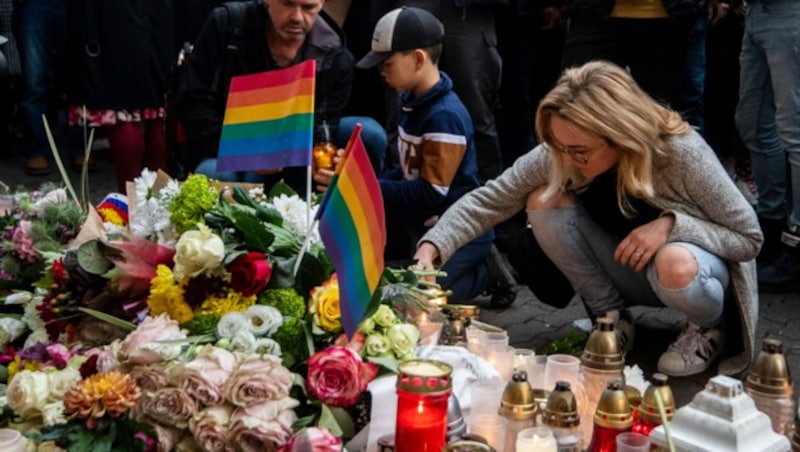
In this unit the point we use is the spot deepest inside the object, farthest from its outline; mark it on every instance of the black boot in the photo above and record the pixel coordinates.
(782, 274)
(772, 230)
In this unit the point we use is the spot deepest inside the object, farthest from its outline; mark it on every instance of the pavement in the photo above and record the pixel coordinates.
(530, 323)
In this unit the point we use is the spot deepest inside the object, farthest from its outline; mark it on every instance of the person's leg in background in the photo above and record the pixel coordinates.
(769, 124)
(38, 24)
(155, 150)
(693, 79)
(127, 150)
(467, 271)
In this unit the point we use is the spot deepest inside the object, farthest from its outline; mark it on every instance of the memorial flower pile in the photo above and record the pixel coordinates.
(188, 316)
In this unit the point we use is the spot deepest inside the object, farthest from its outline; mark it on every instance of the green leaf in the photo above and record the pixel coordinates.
(345, 421)
(386, 362)
(255, 234)
(109, 319)
(327, 420)
(281, 188)
(91, 257)
(306, 421)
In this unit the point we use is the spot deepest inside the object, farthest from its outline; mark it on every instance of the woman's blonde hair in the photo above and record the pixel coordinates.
(601, 98)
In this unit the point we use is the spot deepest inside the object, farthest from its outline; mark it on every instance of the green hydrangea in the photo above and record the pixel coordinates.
(201, 324)
(286, 300)
(292, 338)
(195, 198)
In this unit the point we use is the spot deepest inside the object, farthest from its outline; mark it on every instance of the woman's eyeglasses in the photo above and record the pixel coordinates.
(578, 153)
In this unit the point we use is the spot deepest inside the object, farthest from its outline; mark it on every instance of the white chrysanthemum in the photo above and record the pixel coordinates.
(113, 229)
(267, 346)
(263, 320)
(231, 323)
(143, 185)
(295, 215)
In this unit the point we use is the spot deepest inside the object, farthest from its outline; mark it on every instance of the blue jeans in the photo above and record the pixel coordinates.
(584, 252)
(372, 134)
(693, 80)
(467, 272)
(41, 37)
(768, 113)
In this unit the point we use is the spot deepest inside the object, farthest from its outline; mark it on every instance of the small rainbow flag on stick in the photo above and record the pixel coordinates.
(269, 120)
(353, 229)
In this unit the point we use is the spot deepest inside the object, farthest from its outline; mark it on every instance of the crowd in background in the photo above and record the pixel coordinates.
(109, 65)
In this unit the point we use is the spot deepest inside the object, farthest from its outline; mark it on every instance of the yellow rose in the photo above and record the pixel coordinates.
(325, 306)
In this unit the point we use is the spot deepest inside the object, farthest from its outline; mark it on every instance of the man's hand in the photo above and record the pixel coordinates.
(323, 176)
(643, 243)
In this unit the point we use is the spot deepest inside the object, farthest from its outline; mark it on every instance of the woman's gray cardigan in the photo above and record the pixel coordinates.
(689, 183)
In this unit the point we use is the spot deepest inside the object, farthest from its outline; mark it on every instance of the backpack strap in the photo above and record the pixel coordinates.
(234, 23)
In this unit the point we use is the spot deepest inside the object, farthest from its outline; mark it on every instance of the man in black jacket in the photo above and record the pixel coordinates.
(259, 36)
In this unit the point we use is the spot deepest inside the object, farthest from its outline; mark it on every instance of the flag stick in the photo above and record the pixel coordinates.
(304, 248)
(59, 163)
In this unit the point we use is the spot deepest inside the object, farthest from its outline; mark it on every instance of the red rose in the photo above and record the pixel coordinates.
(250, 273)
(337, 376)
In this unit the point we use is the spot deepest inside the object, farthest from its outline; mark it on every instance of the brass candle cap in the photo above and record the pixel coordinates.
(770, 374)
(614, 411)
(648, 409)
(519, 400)
(424, 376)
(462, 311)
(561, 409)
(602, 350)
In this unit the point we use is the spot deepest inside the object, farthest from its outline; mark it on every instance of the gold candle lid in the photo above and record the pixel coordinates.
(463, 311)
(770, 374)
(519, 400)
(424, 376)
(614, 411)
(562, 408)
(648, 409)
(602, 350)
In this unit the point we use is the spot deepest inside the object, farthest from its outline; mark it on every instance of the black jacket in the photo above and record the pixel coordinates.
(120, 53)
(203, 92)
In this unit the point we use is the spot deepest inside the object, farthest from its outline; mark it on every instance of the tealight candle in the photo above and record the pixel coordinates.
(536, 439)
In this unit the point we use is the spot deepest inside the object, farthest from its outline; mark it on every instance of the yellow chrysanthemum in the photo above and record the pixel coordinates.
(166, 296)
(18, 365)
(111, 216)
(232, 302)
(112, 393)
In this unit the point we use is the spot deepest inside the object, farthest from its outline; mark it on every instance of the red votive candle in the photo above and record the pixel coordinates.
(423, 393)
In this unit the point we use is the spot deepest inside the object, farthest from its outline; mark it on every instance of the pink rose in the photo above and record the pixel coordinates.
(313, 439)
(59, 354)
(210, 428)
(23, 243)
(143, 347)
(337, 376)
(168, 406)
(258, 379)
(263, 426)
(204, 377)
(149, 378)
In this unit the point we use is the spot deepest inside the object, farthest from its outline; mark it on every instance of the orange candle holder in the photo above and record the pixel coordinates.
(423, 393)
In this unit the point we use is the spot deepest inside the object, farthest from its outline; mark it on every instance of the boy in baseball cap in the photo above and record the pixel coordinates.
(437, 155)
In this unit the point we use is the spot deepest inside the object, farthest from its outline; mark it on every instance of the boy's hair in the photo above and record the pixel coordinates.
(434, 53)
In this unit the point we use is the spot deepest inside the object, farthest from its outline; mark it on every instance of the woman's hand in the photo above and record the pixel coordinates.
(425, 256)
(643, 243)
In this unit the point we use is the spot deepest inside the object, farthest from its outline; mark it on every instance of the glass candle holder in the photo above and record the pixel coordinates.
(536, 439)
(491, 427)
(423, 394)
(12, 441)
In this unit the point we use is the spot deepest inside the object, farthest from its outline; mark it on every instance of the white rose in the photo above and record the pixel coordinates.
(28, 393)
(20, 297)
(404, 337)
(62, 381)
(263, 320)
(53, 413)
(10, 330)
(198, 252)
(32, 316)
(232, 323)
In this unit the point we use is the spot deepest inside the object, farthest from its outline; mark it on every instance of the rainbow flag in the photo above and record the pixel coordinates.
(353, 229)
(269, 120)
